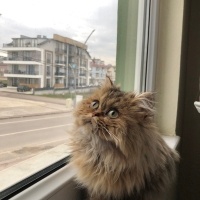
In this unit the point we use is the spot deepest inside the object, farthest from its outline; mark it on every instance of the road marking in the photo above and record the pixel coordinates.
(15, 133)
(35, 145)
(33, 119)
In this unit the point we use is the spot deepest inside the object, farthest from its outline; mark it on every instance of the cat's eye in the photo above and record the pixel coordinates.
(94, 104)
(113, 114)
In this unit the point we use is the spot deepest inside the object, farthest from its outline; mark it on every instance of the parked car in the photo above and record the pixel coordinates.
(23, 88)
(3, 85)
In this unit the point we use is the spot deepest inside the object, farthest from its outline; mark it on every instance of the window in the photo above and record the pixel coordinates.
(133, 17)
(49, 58)
(52, 55)
(137, 49)
(48, 71)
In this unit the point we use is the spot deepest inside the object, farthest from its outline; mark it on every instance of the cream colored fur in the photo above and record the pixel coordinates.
(124, 157)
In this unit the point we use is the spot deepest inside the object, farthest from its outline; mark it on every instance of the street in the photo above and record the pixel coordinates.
(21, 138)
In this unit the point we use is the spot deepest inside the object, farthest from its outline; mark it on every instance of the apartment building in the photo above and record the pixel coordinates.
(99, 70)
(47, 62)
(3, 67)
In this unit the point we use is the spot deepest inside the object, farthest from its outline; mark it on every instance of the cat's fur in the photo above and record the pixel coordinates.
(120, 158)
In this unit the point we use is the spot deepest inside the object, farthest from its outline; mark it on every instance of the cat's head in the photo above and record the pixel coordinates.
(113, 115)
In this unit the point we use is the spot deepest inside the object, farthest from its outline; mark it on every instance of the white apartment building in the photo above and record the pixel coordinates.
(3, 67)
(47, 62)
(3, 55)
(98, 71)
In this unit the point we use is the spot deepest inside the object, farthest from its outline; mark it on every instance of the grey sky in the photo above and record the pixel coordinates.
(75, 19)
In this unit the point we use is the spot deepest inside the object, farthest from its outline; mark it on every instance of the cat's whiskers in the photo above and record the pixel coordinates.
(113, 136)
(105, 136)
(103, 126)
(98, 128)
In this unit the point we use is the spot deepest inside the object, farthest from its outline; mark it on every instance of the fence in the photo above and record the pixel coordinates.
(41, 91)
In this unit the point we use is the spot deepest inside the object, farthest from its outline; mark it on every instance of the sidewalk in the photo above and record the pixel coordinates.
(15, 107)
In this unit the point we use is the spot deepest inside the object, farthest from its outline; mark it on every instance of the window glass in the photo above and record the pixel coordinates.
(57, 50)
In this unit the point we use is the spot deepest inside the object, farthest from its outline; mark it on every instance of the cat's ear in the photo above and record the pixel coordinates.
(145, 103)
(148, 97)
(108, 83)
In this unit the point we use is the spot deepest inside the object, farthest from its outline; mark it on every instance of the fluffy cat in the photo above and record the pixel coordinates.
(117, 149)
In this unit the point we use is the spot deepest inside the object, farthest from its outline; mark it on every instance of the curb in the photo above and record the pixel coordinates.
(36, 114)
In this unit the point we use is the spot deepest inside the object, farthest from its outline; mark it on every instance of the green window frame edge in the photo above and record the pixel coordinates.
(126, 43)
(137, 44)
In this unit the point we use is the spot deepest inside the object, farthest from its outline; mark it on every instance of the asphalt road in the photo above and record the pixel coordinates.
(23, 137)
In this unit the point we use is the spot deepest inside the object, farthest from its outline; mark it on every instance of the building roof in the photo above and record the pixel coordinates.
(69, 41)
(58, 38)
(41, 43)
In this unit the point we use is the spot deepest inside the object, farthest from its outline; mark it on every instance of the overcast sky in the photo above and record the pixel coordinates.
(71, 18)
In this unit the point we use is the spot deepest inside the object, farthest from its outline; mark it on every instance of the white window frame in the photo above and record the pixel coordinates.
(146, 49)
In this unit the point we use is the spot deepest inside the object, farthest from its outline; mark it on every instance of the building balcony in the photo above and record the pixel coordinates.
(59, 74)
(61, 62)
(21, 62)
(71, 75)
(60, 51)
(82, 74)
(8, 47)
(73, 65)
(22, 74)
(24, 59)
(72, 53)
(83, 67)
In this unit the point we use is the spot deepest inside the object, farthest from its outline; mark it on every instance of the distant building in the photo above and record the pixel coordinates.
(47, 62)
(98, 71)
(3, 67)
(111, 72)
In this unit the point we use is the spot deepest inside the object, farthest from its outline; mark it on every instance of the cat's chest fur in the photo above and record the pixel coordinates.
(103, 168)
(117, 149)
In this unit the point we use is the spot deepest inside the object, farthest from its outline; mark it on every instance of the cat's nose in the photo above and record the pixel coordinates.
(97, 113)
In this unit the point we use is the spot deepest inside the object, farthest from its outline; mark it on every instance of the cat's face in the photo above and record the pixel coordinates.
(112, 114)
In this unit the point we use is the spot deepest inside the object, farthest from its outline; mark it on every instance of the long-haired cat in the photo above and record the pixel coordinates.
(117, 149)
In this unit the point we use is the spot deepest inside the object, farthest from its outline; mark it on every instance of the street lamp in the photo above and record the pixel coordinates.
(74, 66)
(89, 36)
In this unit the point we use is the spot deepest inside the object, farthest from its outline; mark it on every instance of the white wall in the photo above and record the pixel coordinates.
(168, 63)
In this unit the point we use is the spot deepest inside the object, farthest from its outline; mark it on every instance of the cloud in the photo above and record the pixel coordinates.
(101, 44)
(103, 41)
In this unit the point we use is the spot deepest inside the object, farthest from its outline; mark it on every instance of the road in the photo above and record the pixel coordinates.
(24, 137)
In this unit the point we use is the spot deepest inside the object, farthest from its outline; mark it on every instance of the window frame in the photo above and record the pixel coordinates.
(145, 60)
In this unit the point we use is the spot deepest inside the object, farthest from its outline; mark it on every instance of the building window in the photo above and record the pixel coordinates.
(37, 56)
(48, 58)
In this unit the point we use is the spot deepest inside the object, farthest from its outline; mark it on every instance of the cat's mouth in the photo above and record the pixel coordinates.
(98, 127)
(89, 121)
(93, 122)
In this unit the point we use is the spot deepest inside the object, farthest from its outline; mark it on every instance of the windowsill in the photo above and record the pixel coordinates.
(172, 141)
(21, 171)
(197, 105)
